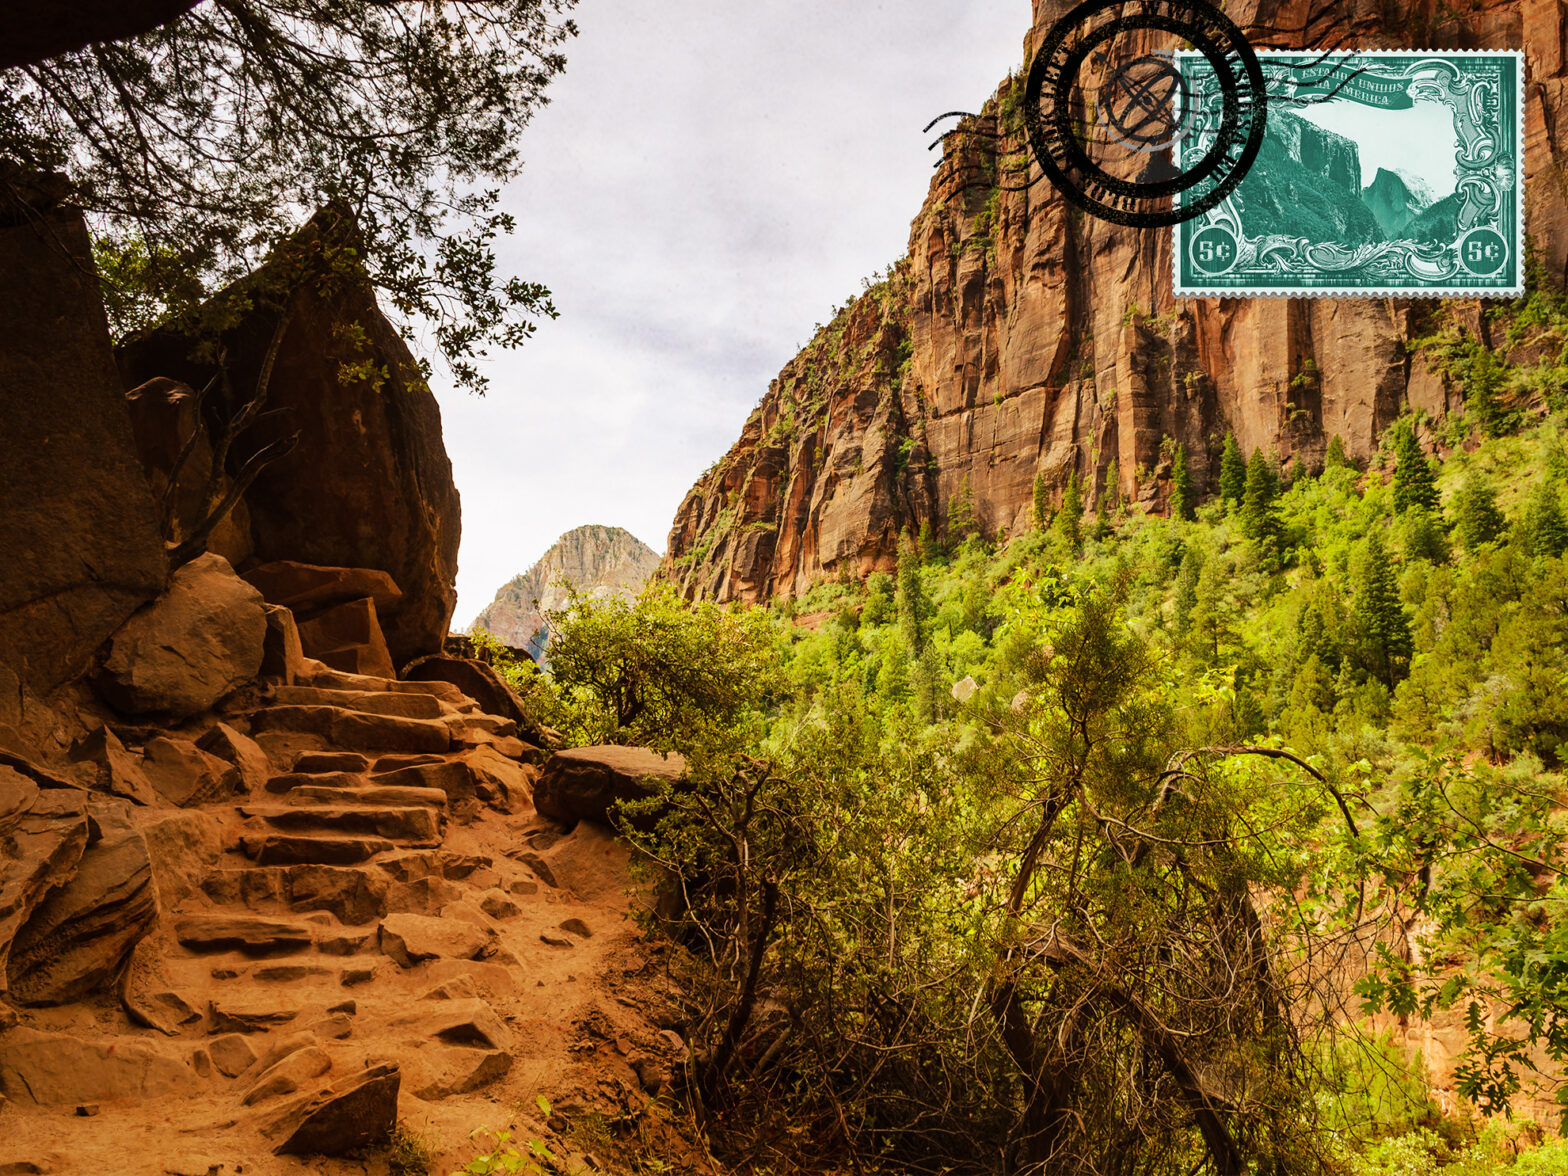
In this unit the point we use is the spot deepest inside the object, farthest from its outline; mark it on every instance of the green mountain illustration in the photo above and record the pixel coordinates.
(1307, 183)
(1396, 198)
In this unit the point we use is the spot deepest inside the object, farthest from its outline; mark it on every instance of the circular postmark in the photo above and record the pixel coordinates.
(1113, 177)
(1213, 250)
(1483, 252)
(1146, 104)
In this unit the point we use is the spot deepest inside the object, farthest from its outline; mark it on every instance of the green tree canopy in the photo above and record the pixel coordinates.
(658, 670)
(199, 146)
(1545, 526)
(1384, 627)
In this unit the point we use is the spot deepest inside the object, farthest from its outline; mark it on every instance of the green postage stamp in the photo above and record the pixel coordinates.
(1381, 173)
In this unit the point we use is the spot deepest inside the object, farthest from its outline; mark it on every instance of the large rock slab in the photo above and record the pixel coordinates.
(369, 484)
(467, 1022)
(350, 730)
(76, 940)
(584, 783)
(80, 549)
(355, 1113)
(306, 588)
(54, 1069)
(253, 936)
(202, 639)
(355, 894)
(348, 638)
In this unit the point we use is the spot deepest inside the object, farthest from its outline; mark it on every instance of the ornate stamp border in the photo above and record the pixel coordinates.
(1496, 194)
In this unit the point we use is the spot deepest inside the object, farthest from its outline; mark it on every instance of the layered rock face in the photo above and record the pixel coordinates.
(368, 483)
(1019, 338)
(595, 560)
(79, 543)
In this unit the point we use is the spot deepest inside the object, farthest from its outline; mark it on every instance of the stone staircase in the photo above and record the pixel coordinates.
(372, 918)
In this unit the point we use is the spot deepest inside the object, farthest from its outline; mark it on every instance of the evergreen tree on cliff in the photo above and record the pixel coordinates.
(202, 144)
(1259, 514)
(1415, 482)
(913, 604)
(1380, 617)
(1069, 520)
(1545, 526)
(1476, 517)
(1184, 494)
(1042, 503)
(1233, 472)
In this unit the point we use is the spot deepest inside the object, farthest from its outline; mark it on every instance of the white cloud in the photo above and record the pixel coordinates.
(709, 180)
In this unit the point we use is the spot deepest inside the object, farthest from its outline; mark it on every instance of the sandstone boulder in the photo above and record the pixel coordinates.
(438, 1072)
(355, 1113)
(369, 484)
(288, 1075)
(584, 783)
(462, 1021)
(114, 769)
(202, 639)
(411, 939)
(348, 637)
(43, 846)
(185, 775)
(80, 549)
(223, 741)
(282, 655)
(77, 939)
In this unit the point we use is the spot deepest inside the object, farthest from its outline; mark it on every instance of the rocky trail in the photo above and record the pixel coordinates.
(374, 926)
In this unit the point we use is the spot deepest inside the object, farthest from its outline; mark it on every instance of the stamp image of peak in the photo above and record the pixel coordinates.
(1394, 172)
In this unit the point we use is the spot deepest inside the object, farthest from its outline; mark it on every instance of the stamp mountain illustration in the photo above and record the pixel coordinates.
(1397, 172)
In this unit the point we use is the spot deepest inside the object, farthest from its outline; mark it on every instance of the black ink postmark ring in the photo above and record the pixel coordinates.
(1054, 95)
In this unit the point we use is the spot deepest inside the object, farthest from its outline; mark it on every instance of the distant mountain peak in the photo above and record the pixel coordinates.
(1396, 199)
(595, 559)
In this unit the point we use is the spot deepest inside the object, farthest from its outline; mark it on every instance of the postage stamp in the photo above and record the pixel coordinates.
(1382, 173)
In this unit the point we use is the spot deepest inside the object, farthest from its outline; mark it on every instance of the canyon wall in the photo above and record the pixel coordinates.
(1020, 338)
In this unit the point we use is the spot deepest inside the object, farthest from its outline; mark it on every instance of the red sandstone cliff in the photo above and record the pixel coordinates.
(1019, 337)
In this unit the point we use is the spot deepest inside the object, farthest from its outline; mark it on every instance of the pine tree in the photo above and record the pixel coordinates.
(1380, 617)
(1184, 495)
(1476, 517)
(1042, 503)
(1545, 526)
(914, 607)
(1335, 458)
(1069, 520)
(1233, 472)
(1111, 499)
(1415, 482)
(1298, 471)
(1259, 513)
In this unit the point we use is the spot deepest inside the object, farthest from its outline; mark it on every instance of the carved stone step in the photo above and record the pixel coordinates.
(355, 894)
(291, 780)
(371, 794)
(352, 730)
(292, 849)
(410, 824)
(405, 706)
(338, 680)
(243, 933)
(321, 762)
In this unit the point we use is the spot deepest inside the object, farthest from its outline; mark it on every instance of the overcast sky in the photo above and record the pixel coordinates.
(709, 180)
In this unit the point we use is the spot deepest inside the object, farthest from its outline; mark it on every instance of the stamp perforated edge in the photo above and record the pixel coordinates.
(1410, 292)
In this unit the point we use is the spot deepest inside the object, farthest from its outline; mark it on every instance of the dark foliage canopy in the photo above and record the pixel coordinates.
(197, 146)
